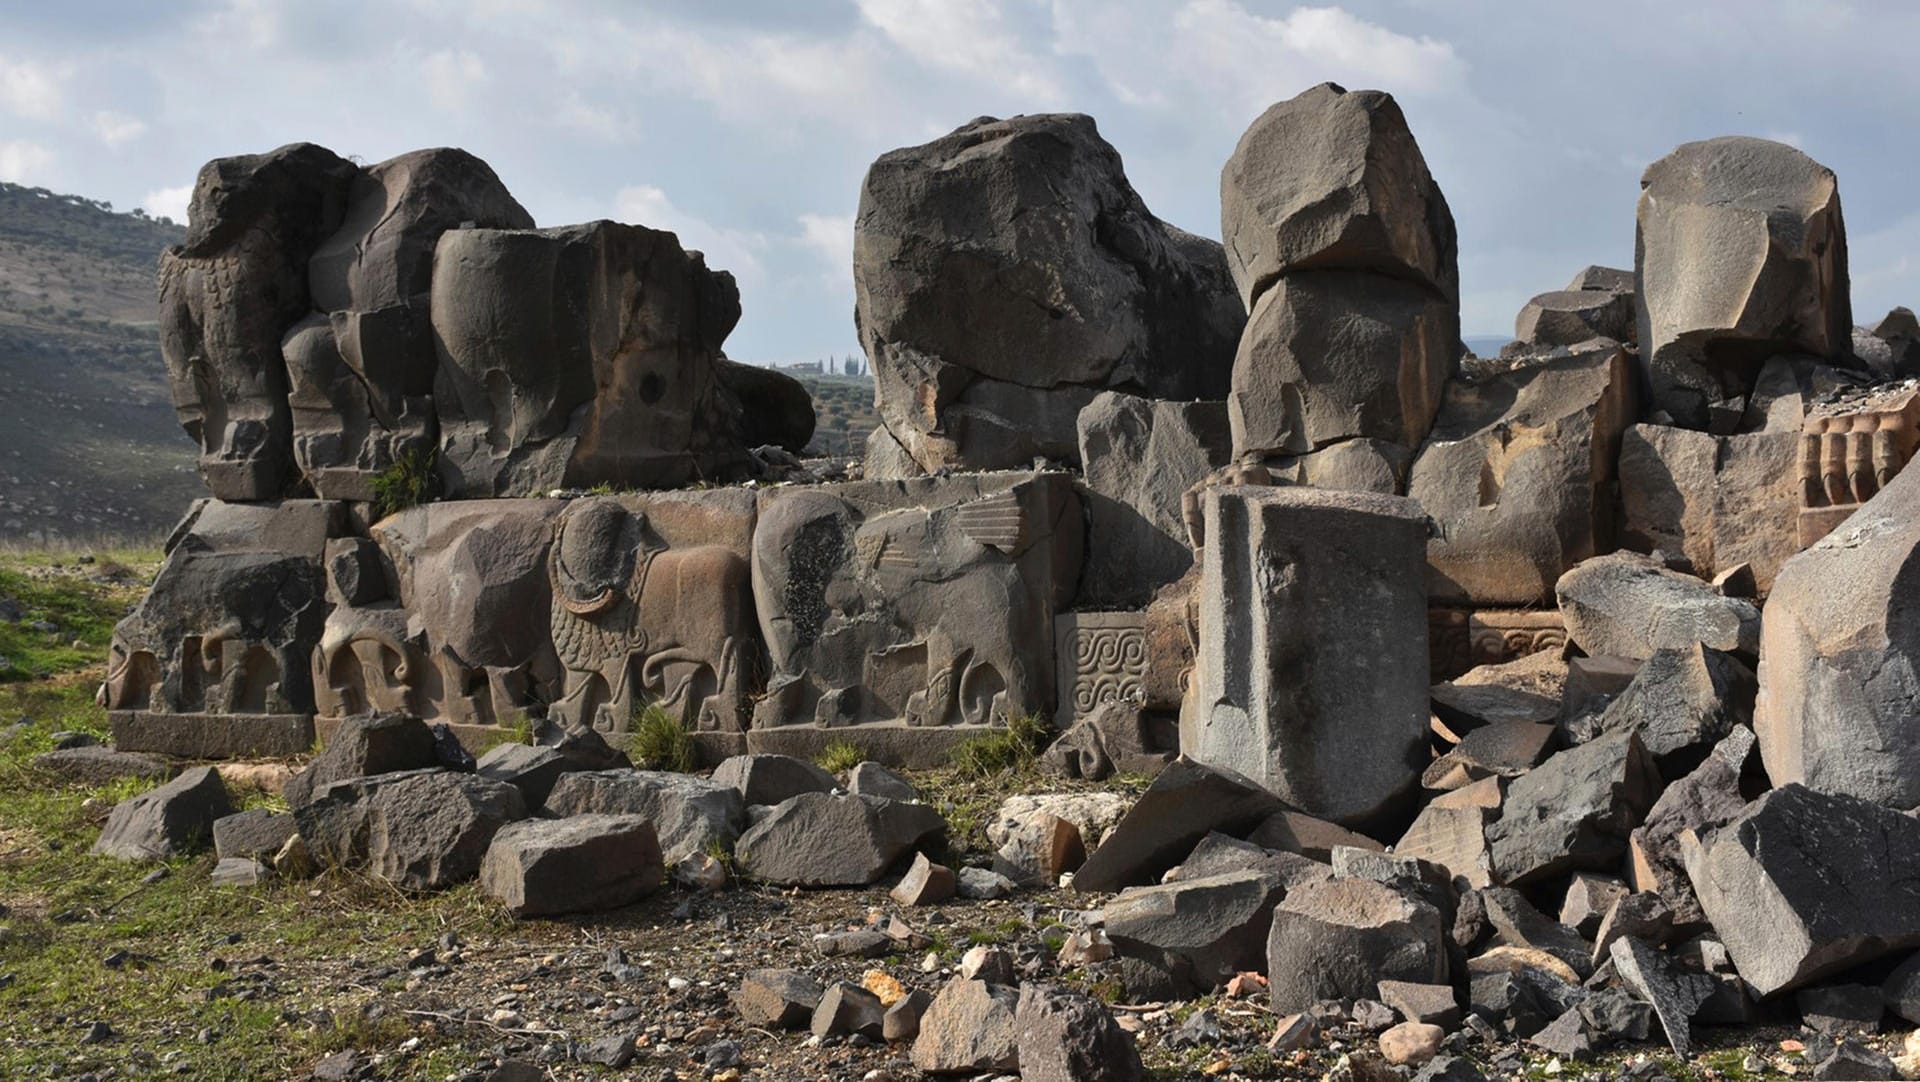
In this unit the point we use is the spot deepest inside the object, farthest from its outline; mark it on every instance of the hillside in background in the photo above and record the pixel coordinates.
(89, 447)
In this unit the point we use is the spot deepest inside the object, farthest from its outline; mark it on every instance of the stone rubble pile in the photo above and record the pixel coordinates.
(1564, 697)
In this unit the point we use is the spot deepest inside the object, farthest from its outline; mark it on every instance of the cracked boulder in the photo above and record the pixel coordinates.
(1573, 811)
(582, 864)
(1741, 255)
(1627, 605)
(1803, 884)
(1004, 275)
(833, 840)
(688, 814)
(1341, 938)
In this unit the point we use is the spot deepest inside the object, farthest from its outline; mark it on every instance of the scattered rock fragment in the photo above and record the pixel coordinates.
(925, 883)
(968, 1028)
(1066, 1036)
(175, 819)
(777, 998)
(581, 864)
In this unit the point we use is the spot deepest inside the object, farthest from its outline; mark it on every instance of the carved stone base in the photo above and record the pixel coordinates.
(212, 736)
(914, 748)
(1461, 639)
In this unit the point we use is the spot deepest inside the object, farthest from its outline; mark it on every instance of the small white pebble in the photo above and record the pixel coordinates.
(678, 984)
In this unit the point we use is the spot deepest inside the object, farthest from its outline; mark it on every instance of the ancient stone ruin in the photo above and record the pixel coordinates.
(1556, 695)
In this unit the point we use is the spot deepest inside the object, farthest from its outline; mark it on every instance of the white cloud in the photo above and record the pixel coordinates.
(22, 162)
(116, 128)
(169, 202)
(1206, 52)
(726, 249)
(970, 39)
(830, 238)
(31, 90)
(452, 76)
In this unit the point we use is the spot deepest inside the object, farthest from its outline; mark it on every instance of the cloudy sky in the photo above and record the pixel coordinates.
(745, 126)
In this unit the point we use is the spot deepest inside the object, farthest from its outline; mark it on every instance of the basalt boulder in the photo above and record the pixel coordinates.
(1740, 254)
(1007, 272)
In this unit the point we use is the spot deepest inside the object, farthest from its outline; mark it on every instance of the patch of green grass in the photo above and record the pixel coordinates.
(515, 728)
(1013, 749)
(409, 482)
(66, 616)
(841, 755)
(660, 742)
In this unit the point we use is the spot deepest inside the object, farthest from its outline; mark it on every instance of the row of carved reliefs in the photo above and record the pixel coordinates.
(226, 629)
(1461, 639)
(926, 602)
(1850, 452)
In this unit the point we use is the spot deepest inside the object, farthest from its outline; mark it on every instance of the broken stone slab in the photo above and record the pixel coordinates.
(1519, 993)
(1675, 993)
(1681, 703)
(1360, 198)
(1852, 1061)
(175, 819)
(1037, 837)
(1435, 1004)
(363, 746)
(1219, 854)
(239, 872)
(1740, 254)
(969, 1027)
(688, 813)
(1409, 875)
(1513, 515)
(873, 779)
(1139, 457)
(1184, 804)
(432, 830)
(1802, 884)
(823, 840)
(1345, 744)
(1901, 990)
(777, 998)
(1572, 316)
(336, 823)
(531, 769)
(983, 884)
(1203, 930)
(1501, 750)
(256, 832)
(1518, 924)
(1467, 707)
(1841, 1010)
(1068, 1036)
(581, 864)
(769, 779)
(846, 1007)
(1573, 811)
(902, 1020)
(1454, 835)
(1627, 605)
(1838, 691)
(1341, 938)
(1641, 916)
(1590, 896)
(96, 765)
(925, 883)
(1700, 802)
(1296, 832)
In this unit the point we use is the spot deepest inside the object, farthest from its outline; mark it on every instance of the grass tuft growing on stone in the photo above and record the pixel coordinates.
(1013, 749)
(660, 742)
(840, 756)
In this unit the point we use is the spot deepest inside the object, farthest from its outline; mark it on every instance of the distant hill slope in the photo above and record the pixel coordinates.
(89, 447)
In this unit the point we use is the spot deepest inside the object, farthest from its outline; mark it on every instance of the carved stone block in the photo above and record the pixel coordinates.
(1850, 452)
(927, 602)
(1313, 628)
(1100, 657)
(1462, 639)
